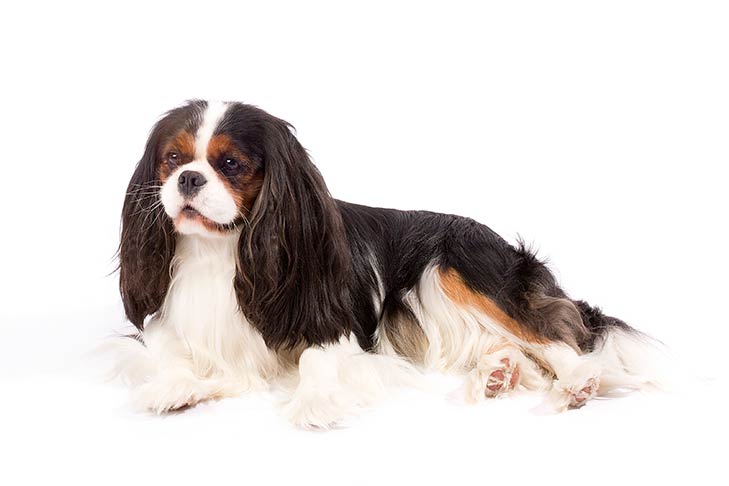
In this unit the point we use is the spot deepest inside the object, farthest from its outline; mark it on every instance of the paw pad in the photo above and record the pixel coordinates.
(581, 394)
(502, 379)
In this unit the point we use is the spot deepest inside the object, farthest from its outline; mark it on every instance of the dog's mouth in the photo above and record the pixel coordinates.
(188, 210)
(191, 214)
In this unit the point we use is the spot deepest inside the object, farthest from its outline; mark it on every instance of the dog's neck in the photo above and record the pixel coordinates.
(196, 250)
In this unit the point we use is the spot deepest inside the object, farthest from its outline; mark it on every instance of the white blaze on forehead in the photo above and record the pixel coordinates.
(213, 200)
(211, 119)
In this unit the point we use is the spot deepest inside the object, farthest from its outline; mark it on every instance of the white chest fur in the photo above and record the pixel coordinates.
(200, 320)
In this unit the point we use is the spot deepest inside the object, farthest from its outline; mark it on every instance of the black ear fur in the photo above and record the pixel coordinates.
(147, 240)
(294, 263)
(147, 235)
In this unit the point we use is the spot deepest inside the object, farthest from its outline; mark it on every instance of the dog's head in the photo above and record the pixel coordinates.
(212, 169)
(210, 166)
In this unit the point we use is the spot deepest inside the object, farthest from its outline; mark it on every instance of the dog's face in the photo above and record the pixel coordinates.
(209, 163)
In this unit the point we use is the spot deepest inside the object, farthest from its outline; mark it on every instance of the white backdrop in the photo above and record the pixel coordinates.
(597, 131)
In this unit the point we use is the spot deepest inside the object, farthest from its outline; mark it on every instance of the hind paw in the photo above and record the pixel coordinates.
(577, 389)
(496, 374)
(580, 394)
(502, 379)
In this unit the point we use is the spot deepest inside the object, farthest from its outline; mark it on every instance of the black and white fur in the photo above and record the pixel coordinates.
(282, 278)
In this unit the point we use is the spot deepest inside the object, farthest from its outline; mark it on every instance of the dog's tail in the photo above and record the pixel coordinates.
(630, 359)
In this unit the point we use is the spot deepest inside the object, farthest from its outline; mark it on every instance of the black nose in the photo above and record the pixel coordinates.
(190, 182)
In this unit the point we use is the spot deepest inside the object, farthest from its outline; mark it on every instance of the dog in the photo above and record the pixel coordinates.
(239, 269)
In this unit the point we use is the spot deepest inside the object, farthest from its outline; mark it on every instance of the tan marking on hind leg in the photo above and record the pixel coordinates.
(461, 294)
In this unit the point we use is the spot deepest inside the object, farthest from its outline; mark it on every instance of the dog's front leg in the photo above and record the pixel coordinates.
(336, 380)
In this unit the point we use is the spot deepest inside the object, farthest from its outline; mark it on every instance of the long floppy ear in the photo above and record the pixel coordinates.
(147, 241)
(293, 258)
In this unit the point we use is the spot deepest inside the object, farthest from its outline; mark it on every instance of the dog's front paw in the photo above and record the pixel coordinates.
(173, 392)
(317, 411)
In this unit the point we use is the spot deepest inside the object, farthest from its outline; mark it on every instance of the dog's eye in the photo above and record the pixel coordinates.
(230, 165)
(173, 158)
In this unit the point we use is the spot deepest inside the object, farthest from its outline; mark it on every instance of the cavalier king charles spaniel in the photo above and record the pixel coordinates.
(239, 270)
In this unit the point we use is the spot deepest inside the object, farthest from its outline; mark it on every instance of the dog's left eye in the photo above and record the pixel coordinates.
(231, 165)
